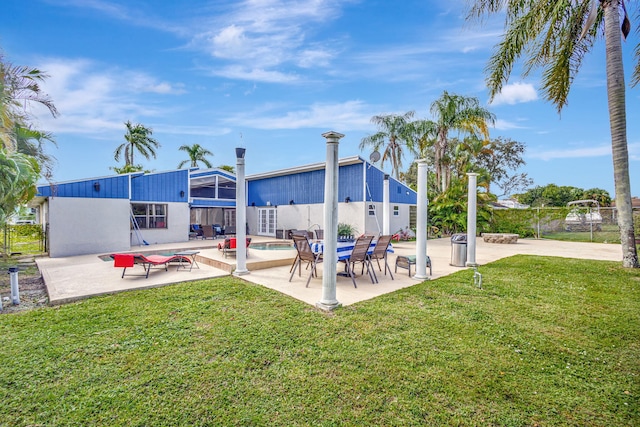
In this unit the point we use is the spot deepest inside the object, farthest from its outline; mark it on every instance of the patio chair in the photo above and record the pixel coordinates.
(197, 229)
(305, 254)
(230, 230)
(305, 233)
(319, 234)
(208, 232)
(360, 254)
(380, 253)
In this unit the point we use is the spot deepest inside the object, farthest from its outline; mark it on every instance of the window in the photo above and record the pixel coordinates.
(152, 215)
(396, 210)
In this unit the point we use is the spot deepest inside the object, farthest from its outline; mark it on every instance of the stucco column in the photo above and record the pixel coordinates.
(386, 203)
(421, 229)
(241, 216)
(330, 255)
(472, 211)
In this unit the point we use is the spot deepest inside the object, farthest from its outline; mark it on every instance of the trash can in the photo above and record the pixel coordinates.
(459, 250)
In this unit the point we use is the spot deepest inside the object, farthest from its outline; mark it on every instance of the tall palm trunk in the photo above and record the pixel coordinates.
(618, 123)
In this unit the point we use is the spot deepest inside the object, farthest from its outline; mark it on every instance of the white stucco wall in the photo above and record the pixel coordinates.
(80, 226)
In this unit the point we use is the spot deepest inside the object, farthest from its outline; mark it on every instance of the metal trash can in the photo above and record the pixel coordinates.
(459, 250)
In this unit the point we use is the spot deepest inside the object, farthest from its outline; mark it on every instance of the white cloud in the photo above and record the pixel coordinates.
(94, 100)
(515, 93)
(506, 125)
(595, 151)
(347, 115)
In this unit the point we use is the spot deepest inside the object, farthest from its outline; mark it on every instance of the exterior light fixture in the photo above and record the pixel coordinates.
(181, 193)
(291, 202)
(96, 186)
(347, 199)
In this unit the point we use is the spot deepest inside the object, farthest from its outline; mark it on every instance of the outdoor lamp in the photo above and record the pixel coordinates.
(96, 186)
(240, 153)
(347, 199)
(291, 202)
(181, 193)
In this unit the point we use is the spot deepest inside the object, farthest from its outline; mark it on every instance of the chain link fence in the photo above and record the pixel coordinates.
(574, 224)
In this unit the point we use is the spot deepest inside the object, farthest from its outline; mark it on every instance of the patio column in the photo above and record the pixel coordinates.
(421, 229)
(386, 207)
(241, 216)
(329, 301)
(472, 212)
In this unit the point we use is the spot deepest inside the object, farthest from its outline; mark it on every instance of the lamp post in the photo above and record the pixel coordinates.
(421, 229)
(472, 210)
(330, 255)
(241, 216)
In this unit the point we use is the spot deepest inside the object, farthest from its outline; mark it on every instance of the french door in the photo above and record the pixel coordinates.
(267, 222)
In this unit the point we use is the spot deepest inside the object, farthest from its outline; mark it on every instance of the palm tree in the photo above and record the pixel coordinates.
(197, 153)
(556, 38)
(19, 88)
(138, 138)
(18, 176)
(31, 142)
(393, 131)
(461, 114)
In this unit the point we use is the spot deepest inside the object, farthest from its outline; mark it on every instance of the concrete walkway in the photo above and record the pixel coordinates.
(73, 278)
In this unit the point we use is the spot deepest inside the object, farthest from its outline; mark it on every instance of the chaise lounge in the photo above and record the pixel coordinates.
(129, 260)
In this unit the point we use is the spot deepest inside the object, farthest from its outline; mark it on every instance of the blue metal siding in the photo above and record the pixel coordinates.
(304, 187)
(350, 182)
(116, 187)
(161, 187)
(375, 182)
(398, 192)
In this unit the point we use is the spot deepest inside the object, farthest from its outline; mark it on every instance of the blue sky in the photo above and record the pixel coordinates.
(273, 75)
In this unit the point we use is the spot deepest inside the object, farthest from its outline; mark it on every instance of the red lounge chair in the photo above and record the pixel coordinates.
(128, 260)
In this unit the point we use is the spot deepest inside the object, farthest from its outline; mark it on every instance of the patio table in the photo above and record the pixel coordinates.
(344, 249)
(190, 254)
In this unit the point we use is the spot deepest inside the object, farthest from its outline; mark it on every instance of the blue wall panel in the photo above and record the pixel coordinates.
(116, 187)
(304, 187)
(161, 187)
(398, 192)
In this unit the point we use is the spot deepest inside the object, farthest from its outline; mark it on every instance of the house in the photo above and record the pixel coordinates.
(114, 213)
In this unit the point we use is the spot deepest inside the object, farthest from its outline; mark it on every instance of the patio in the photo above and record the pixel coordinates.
(74, 278)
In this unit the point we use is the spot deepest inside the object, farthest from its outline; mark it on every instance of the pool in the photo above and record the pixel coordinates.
(272, 246)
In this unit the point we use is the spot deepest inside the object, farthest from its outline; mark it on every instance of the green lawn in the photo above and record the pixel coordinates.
(547, 342)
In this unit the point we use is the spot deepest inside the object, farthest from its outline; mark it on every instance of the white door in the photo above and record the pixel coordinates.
(267, 222)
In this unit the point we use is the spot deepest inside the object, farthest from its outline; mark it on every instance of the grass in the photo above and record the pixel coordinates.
(548, 342)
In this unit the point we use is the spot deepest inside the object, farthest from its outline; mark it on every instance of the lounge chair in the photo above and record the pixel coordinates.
(129, 260)
(229, 246)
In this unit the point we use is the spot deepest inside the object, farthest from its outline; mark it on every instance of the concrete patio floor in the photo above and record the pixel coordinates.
(73, 278)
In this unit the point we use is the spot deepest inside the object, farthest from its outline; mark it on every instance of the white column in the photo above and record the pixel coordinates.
(241, 216)
(330, 256)
(386, 218)
(472, 211)
(421, 229)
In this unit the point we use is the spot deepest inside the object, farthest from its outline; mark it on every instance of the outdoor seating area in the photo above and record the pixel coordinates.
(66, 278)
